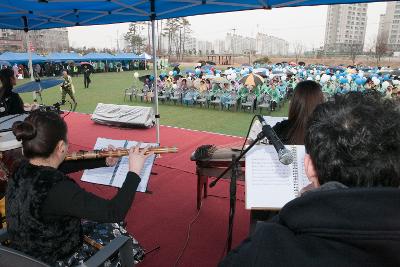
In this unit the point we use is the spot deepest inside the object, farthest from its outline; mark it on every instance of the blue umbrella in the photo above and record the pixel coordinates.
(37, 85)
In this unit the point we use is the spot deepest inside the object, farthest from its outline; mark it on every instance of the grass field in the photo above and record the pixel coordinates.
(109, 88)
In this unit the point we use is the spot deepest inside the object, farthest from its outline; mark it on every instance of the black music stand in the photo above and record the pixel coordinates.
(232, 192)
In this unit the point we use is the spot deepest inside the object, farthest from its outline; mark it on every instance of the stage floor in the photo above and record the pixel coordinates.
(161, 217)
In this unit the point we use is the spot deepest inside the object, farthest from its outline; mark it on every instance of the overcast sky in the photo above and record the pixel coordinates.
(305, 24)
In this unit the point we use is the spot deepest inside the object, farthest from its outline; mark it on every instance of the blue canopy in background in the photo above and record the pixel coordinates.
(44, 14)
(98, 56)
(127, 56)
(63, 56)
(21, 57)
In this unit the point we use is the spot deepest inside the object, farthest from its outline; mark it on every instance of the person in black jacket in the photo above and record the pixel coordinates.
(44, 207)
(10, 102)
(349, 216)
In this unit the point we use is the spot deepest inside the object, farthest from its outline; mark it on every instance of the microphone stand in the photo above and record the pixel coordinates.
(260, 136)
(232, 189)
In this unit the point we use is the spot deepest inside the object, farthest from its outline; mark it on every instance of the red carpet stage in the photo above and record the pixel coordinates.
(162, 216)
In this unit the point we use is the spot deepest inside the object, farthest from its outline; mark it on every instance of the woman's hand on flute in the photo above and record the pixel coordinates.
(137, 158)
(111, 161)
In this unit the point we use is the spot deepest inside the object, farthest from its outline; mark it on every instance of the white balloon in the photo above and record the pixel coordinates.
(349, 77)
(271, 76)
(233, 75)
(376, 81)
(229, 77)
(396, 82)
(333, 78)
(174, 86)
(171, 73)
(311, 71)
(246, 70)
(136, 75)
(283, 77)
(294, 71)
(309, 78)
(317, 78)
(217, 75)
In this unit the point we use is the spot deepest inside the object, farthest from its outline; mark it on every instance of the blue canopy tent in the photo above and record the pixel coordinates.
(63, 57)
(43, 14)
(21, 57)
(127, 56)
(98, 56)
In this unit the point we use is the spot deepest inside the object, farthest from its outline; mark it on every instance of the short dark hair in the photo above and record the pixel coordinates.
(355, 139)
(40, 132)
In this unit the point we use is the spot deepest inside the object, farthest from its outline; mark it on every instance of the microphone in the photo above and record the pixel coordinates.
(285, 155)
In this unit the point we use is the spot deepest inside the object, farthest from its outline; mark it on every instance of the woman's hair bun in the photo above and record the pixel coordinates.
(24, 130)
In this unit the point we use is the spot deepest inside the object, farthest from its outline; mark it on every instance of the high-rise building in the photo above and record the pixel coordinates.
(43, 41)
(345, 28)
(389, 26)
(268, 45)
(52, 40)
(11, 40)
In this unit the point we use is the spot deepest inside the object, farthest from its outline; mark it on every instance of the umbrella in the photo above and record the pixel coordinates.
(37, 85)
(174, 64)
(144, 77)
(395, 73)
(220, 80)
(252, 79)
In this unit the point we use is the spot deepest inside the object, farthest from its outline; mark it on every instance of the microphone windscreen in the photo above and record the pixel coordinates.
(285, 156)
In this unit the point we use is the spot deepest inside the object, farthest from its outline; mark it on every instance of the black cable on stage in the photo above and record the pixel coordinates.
(187, 238)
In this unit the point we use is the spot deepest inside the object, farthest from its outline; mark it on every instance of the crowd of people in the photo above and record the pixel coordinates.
(263, 85)
(346, 217)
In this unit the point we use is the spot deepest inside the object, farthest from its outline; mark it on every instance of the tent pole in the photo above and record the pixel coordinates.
(30, 66)
(153, 33)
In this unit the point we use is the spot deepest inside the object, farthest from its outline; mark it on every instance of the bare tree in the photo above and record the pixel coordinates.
(381, 47)
(298, 49)
(354, 50)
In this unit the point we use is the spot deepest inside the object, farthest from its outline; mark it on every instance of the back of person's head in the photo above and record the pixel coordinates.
(307, 96)
(5, 78)
(355, 139)
(40, 133)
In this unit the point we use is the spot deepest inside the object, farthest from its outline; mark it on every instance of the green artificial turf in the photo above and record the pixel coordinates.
(109, 88)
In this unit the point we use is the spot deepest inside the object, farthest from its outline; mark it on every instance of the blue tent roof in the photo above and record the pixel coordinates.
(20, 57)
(127, 56)
(98, 56)
(35, 14)
(64, 56)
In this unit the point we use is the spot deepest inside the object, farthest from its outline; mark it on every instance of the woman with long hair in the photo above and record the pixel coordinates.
(10, 102)
(44, 207)
(307, 95)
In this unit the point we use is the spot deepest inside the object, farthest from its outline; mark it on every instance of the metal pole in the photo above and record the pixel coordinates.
(30, 66)
(153, 33)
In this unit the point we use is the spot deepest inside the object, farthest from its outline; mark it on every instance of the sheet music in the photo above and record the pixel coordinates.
(269, 184)
(256, 127)
(302, 177)
(115, 176)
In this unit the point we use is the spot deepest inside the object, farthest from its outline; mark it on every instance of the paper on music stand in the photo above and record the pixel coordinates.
(269, 183)
(115, 176)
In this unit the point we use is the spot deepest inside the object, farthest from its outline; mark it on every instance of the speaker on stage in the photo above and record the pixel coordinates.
(124, 116)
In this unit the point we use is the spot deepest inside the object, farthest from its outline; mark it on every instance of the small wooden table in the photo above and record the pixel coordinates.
(213, 167)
